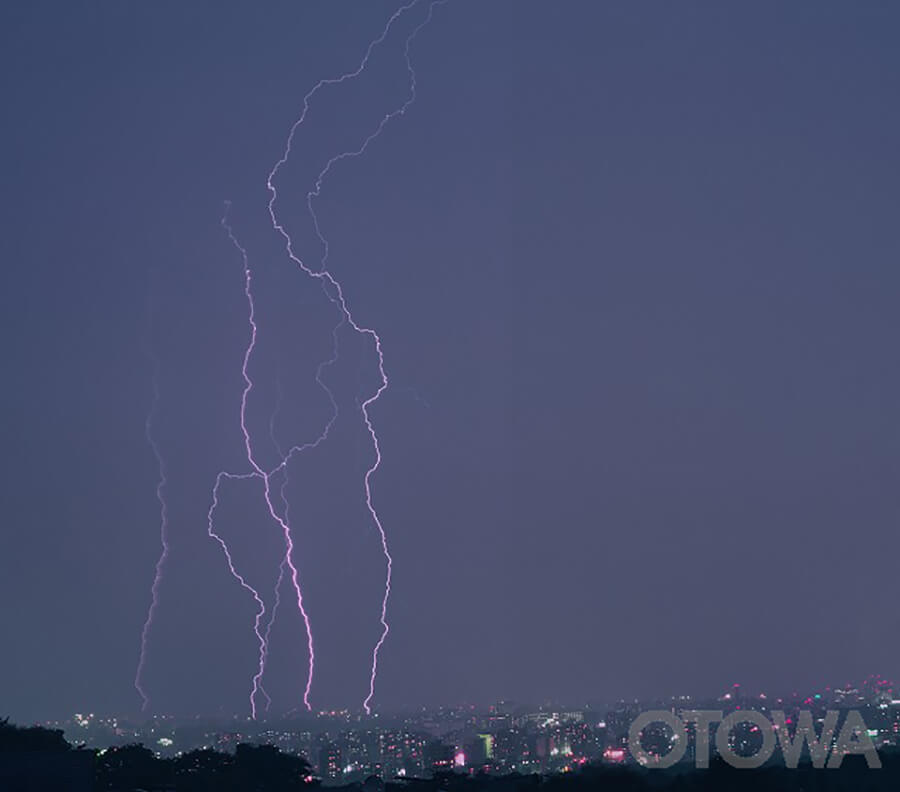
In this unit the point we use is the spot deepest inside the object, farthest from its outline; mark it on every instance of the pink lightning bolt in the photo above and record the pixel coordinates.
(163, 531)
(261, 607)
(260, 473)
(336, 294)
(283, 467)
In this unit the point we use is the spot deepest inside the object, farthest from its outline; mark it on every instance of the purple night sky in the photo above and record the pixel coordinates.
(534, 351)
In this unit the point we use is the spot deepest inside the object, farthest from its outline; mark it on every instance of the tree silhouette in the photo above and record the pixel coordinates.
(204, 769)
(261, 768)
(19, 739)
(132, 767)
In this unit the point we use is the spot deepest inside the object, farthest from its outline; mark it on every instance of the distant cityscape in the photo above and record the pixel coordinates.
(344, 747)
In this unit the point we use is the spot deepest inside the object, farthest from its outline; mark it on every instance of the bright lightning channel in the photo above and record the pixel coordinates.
(336, 293)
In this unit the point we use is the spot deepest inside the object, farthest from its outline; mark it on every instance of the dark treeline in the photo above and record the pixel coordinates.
(38, 760)
(35, 758)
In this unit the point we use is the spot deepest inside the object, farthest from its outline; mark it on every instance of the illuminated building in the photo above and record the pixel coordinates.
(330, 767)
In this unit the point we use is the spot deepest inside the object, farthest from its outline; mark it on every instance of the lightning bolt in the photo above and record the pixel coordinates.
(332, 287)
(334, 292)
(261, 607)
(286, 561)
(285, 511)
(257, 472)
(163, 530)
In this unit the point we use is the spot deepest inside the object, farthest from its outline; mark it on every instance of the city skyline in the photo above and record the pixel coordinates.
(503, 738)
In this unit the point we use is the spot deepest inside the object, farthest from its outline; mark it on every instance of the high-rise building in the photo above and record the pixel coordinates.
(330, 761)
